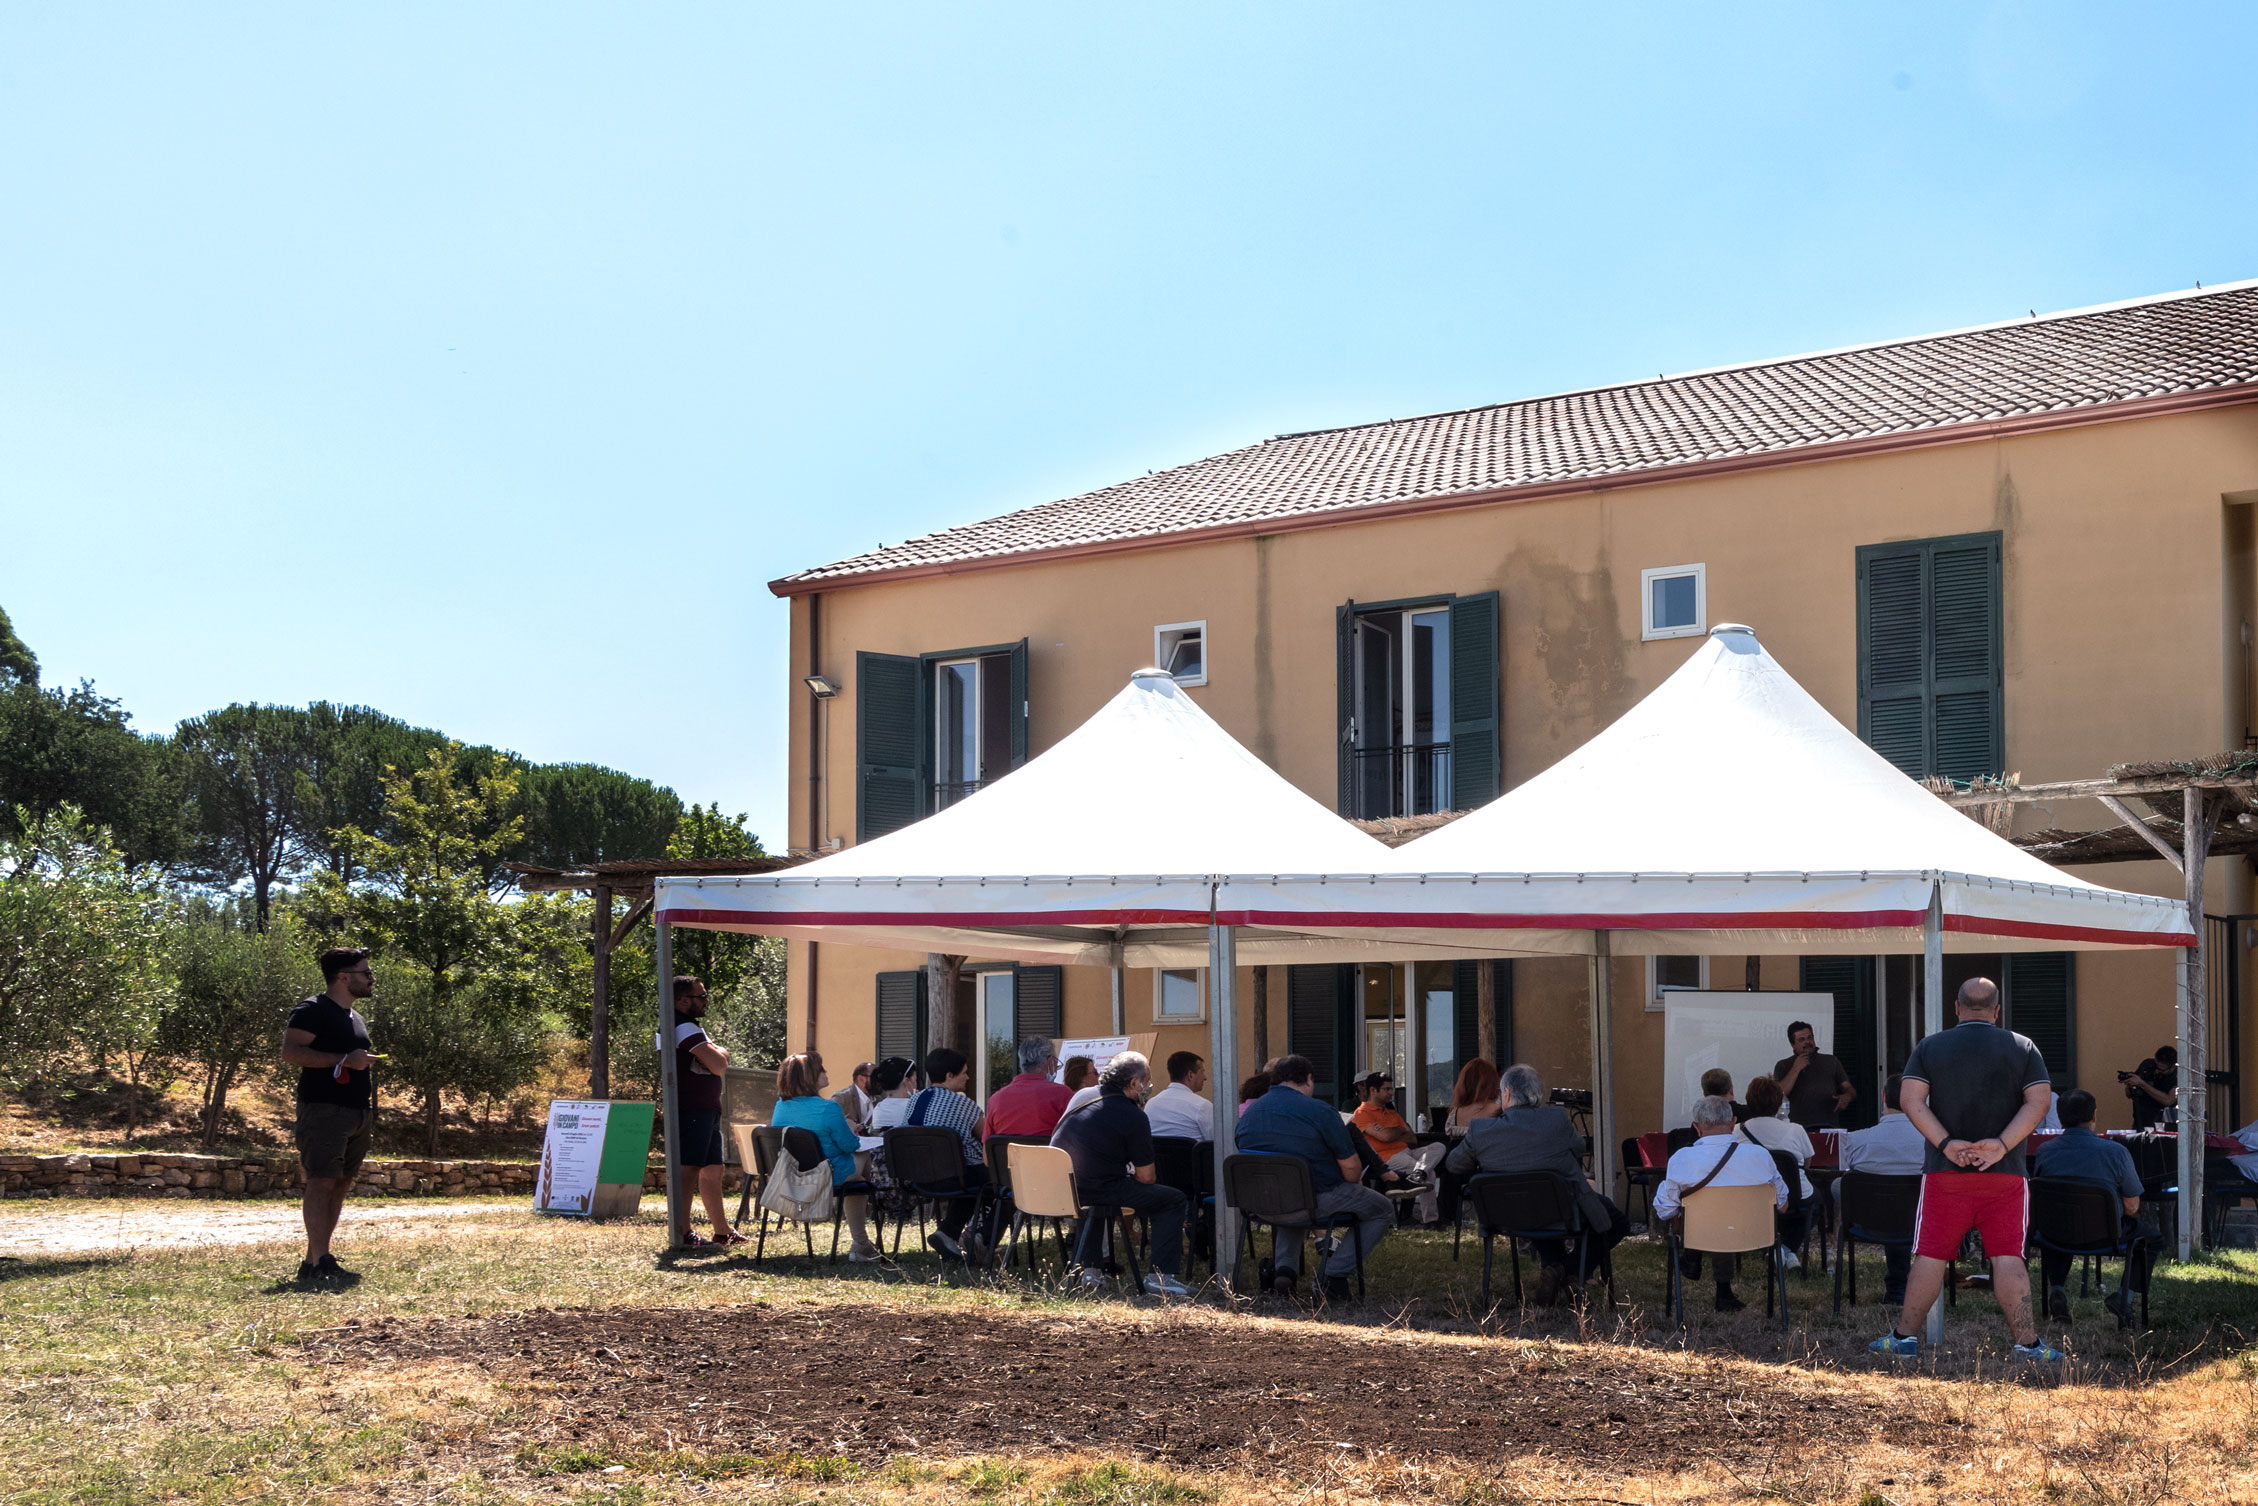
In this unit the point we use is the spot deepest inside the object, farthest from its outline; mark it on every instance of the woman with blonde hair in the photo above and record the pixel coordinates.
(802, 1104)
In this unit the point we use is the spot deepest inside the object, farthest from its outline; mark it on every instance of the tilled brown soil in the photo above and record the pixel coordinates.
(1196, 1390)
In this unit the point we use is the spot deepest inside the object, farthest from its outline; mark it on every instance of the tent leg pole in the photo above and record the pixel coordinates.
(670, 1093)
(1932, 1023)
(1120, 1008)
(1223, 1065)
(1604, 1148)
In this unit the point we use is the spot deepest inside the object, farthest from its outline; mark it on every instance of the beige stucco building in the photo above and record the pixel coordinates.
(2022, 548)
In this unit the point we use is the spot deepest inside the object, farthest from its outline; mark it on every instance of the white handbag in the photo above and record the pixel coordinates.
(803, 1195)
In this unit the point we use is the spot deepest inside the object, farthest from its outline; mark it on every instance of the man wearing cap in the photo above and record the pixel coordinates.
(1394, 1141)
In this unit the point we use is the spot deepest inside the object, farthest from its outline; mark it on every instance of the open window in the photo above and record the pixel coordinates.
(932, 729)
(1418, 705)
(1181, 649)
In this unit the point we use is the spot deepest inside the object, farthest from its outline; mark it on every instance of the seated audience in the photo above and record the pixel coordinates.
(893, 1080)
(855, 1098)
(1079, 1072)
(1030, 1104)
(1394, 1141)
(1529, 1134)
(1178, 1109)
(1255, 1085)
(1718, 1083)
(946, 1106)
(1104, 1139)
(1717, 1158)
(1289, 1121)
(1765, 1128)
(800, 1104)
(1892, 1147)
(1474, 1096)
(2080, 1154)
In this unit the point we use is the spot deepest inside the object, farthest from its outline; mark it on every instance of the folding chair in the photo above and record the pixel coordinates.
(2156, 1159)
(1534, 1205)
(805, 1150)
(1791, 1172)
(1189, 1166)
(1876, 1210)
(1042, 1191)
(748, 1174)
(2073, 1216)
(1729, 1221)
(766, 1143)
(997, 1195)
(927, 1163)
(1276, 1190)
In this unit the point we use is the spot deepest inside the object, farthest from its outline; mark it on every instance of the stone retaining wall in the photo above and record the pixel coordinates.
(148, 1174)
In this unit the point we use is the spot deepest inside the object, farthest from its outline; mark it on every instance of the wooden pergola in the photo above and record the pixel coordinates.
(632, 880)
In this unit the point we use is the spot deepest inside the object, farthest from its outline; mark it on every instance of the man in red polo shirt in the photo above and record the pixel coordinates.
(1030, 1103)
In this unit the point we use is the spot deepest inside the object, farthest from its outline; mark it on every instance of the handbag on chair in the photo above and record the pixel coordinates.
(802, 1194)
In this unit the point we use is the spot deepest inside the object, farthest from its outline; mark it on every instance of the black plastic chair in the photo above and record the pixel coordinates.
(805, 1150)
(1189, 1166)
(2077, 1217)
(1876, 1210)
(768, 1144)
(927, 1163)
(1791, 1172)
(1521, 1205)
(2156, 1160)
(997, 1208)
(1276, 1190)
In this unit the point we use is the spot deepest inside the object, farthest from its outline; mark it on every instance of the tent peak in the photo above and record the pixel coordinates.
(1152, 674)
(1732, 629)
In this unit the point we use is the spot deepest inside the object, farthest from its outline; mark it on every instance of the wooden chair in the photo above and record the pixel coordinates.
(1042, 1183)
(996, 1195)
(1729, 1221)
(748, 1176)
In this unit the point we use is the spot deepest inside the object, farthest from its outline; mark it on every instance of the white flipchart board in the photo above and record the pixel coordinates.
(1745, 1033)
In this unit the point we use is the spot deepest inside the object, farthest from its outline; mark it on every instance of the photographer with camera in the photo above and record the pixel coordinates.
(2154, 1088)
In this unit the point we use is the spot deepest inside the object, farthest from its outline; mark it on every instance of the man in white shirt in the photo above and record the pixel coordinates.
(1715, 1159)
(1893, 1147)
(1178, 1109)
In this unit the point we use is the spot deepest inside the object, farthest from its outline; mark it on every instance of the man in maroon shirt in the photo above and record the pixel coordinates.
(1030, 1103)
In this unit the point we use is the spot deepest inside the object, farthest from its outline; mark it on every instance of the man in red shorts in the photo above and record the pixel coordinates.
(1975, 1092)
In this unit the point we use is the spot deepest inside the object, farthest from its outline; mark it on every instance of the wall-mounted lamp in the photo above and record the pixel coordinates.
(822, 687)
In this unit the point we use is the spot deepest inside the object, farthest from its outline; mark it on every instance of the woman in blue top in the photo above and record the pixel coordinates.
(801, 1103)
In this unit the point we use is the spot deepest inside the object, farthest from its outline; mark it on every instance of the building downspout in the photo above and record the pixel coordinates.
(816, 823)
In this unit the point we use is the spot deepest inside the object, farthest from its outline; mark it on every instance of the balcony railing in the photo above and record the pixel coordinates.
(946, 795)
(1409, 780)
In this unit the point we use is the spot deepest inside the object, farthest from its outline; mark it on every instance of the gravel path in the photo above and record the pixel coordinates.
(137, 1223)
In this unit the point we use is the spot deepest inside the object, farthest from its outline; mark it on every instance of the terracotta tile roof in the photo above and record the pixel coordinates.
(2069, 364)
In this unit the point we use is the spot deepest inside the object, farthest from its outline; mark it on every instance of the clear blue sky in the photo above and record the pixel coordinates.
(482, 363)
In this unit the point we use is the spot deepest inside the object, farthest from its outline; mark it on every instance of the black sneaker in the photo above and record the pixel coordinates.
(328, 1269)
(1727, 1302)
(945, 1245)
(2120, 1302)
(2058, 1303)
(308, 1272)
(1337, 1289)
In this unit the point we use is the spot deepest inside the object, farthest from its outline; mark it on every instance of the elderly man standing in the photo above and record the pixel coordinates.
(1105, 1137)
(1533, 1135)
(1289, 1121)
(1715, 1159)
(1975, 1092)
(1030, 1103)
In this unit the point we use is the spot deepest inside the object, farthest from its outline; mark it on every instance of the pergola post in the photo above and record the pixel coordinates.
(600, 1000)
(1604, 1150)
(2199, 811)
(1485, 1012)
(1932, 1023)
(670, 1094)
(1223, 1061)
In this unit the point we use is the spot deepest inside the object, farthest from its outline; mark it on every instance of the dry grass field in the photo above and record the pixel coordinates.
(517, 1359)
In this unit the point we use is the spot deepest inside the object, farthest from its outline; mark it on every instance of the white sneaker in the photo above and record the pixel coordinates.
(1092, 1279)
(1161, 1284)
(870, 1256)
(1789, 1260)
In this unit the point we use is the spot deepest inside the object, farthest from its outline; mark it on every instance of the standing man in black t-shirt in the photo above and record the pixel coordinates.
(1815, 1085)
(701, 1071)
(328, 1042)
(1111, 1142)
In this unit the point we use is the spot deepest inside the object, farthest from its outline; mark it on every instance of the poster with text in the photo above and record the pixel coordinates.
(571, 1155)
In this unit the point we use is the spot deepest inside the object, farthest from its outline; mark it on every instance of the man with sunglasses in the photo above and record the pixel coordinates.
(328, 1042)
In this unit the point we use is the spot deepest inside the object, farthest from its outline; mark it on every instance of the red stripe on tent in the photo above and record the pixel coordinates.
(1688, 920)
(1981, 925)
(967, 918)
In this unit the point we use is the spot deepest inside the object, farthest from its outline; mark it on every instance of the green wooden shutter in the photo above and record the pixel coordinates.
(1019, 703)
(1475, 773)
(889, 743)
(1930, 669)
(1965, 671)
(1344, 701)
(1319, 1000)
(2042, 1003)
(1038, 996)
(1466, 1003)
(901, 1014)
(1851, 981)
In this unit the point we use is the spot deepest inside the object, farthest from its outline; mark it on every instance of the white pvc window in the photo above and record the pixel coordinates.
(1180, 996)
(1181, 649)
(1674, 602)
(1667, 972)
